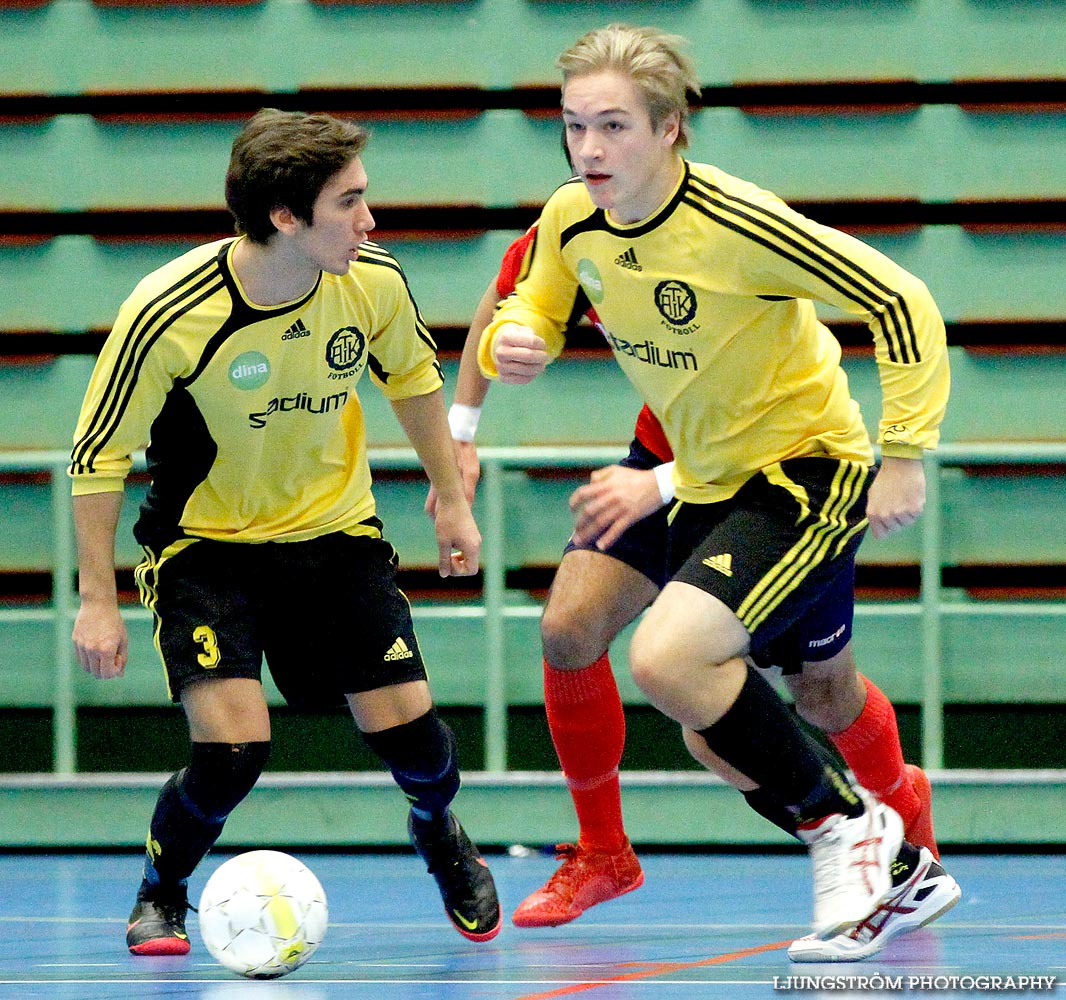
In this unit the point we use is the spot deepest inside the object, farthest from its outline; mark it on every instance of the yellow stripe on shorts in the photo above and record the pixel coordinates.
(812, 548)
(146, 576)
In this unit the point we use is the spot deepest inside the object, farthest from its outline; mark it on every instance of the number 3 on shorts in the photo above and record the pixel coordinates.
(205, 636)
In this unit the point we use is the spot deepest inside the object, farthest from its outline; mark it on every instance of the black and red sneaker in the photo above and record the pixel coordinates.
(157, 923)
(464, 880)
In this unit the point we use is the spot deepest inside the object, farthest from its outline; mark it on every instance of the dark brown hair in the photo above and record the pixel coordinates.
(284, 159)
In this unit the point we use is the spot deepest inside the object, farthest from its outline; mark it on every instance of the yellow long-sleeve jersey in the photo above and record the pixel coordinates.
(253, 428)
(708, 305)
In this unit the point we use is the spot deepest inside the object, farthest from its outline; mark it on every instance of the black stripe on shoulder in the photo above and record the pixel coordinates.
(375, 366)
(148, 325)
(824, 262)
(596, 222)
(377, 254)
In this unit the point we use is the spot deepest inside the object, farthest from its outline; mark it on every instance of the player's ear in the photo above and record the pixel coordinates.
(671, 128)
(283, 219)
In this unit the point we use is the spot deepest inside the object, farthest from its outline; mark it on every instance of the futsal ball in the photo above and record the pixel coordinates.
(263, 914)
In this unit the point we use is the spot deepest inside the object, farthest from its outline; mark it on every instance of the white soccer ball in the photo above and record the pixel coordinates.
(263, 914)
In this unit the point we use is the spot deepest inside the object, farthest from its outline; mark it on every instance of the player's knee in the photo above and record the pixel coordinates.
(650, 660)
(424, 760)
(822, 705)
(571, 639)
(220, 775)
(830, 701)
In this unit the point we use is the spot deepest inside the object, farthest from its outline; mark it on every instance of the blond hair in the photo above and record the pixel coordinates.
(652, 59)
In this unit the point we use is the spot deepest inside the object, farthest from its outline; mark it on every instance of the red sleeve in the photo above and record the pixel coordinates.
(649, 432)
(513, 259)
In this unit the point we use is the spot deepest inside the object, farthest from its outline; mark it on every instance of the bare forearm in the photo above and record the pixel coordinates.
(471, 386)
(100, 641)
(426, 425)
(95, 524)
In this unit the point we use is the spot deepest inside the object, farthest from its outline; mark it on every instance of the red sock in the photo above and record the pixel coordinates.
(870, 745)
(588, 729)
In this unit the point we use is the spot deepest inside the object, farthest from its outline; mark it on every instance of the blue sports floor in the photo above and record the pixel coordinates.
(702, 926)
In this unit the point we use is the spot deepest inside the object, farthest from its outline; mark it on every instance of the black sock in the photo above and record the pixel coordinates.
(761, 738)
(193, 805)
(770, 806)
(422, 757)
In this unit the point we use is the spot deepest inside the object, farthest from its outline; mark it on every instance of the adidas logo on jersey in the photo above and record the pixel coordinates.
(399, 651)
(722, 563)
(628, 259)
(296, 331)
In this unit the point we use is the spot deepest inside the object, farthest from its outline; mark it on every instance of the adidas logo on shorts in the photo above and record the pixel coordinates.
(399, 651)
(722, 563)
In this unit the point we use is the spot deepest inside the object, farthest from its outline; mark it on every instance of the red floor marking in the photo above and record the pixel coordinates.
(657, 969)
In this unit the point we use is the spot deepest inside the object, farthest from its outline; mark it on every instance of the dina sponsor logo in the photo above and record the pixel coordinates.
(591, 280)
(249, 370)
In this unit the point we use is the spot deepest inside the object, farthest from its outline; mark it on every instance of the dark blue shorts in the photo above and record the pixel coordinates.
(326, 614)
(644, 544)
(780, 554)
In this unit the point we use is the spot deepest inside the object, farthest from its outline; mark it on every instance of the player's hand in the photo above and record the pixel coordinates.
(101, 643)
(614, 499)
(469, 469)
(519, 354)
(458, 539)
(897, 495)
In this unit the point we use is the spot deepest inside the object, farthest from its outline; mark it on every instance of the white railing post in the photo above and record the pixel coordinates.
(64, 722)
(494, 575)
(932, 564)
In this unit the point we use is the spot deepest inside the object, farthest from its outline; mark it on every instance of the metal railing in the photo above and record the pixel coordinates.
(931, 608)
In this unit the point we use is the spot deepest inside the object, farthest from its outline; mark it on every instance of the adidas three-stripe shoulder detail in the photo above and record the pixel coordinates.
(153, 320)
(784, 237)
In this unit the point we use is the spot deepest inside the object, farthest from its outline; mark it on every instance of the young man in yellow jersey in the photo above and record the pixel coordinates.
(704, 285)
(237, 365)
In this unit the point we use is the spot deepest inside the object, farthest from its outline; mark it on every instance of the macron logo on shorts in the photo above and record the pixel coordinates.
(818, 643)
(722, 563)
(399, 651)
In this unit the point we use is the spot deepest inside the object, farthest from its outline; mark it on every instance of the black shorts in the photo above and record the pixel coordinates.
(325, 613)
(643, 545)
(780, 554)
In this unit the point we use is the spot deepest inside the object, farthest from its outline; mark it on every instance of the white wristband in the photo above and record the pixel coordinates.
(463, 421)
(664, 476)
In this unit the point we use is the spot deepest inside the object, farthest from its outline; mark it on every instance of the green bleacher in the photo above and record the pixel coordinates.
(937, 132)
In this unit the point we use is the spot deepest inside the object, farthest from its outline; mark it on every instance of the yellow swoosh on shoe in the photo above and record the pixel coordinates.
(468, 924)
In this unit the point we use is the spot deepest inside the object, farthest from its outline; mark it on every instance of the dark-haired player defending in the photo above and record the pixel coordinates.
(237, 364)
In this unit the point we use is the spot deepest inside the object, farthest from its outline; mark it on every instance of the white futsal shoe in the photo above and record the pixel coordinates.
(929, 893)
(852, 861)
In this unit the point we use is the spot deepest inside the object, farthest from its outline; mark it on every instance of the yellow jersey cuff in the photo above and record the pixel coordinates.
(484, 352)
(84, 485)
(896, 450)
